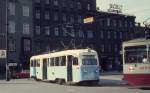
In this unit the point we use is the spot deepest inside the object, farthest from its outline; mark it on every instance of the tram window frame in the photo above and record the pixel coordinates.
(56, 61)
(34, 63)
(31, 63)
(148, 56)
(75, 61)
(48, 62)
(52, 62)
(63, 61)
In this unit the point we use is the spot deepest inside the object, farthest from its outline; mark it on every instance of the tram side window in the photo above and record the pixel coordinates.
(75, 61)
(63, 61)
(56, 61)
(51, 61)
(38, 63)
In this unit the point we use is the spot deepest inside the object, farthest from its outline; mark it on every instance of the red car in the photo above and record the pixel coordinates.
(22, 74)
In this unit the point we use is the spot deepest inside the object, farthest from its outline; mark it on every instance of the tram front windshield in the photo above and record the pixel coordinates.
(136, 54)
(89, 60)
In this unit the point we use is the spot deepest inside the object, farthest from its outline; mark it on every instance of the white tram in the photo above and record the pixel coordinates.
(69, 66)
(136, 61)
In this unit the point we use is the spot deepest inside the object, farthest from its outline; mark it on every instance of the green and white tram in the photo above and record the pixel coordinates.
(69, 66)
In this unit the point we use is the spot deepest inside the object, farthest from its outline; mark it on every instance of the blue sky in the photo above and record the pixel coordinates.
(139, 8)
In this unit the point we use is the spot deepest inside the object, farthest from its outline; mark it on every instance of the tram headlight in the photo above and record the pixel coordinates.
(131, 68)
(96, 71)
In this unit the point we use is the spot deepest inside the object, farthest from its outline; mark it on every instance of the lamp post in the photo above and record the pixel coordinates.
(7, 67)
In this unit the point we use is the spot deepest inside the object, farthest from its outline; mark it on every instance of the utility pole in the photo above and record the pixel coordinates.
(147, 25)
(6, 36)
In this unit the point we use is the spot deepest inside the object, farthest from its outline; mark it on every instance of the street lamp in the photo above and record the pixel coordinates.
(7, 67)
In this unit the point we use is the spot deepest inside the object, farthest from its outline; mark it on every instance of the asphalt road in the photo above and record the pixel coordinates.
(108, 84)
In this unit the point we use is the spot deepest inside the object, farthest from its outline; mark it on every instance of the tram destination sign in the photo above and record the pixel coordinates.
(2, 53)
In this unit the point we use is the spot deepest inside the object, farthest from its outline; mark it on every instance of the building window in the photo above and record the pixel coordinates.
(115, 23)
(47, 30)
(27, 45)
(126, 23)
(56, 31)
(37, 30)
(88, 7)
(81, 34)
(90, 34)
(116, 48)
(64, 3)
(26, 28)
(11, 8)
(101, 34)
(72, 32)
(47, 1)
(64, 31)
(38, 47)
(37, 14)
(12, 45)
(55, 16)
(79, 19)
(108, 21)
(55, 2)
(103, 48)
(11, 27)
(71, 19)
(71, 4)
(120, 23)
(25, 10)
(131, 24)
(115, 35)
(120, 35)
(108, 35)
(109, 48)
(79, 5)
(64, 18)
(47, 15)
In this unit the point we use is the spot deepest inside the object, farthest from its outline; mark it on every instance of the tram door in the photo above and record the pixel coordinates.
(69, 68)
(44, 68)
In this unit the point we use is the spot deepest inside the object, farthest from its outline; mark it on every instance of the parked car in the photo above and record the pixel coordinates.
(21, 74)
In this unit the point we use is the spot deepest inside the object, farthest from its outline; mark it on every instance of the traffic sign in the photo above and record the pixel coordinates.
(2, 53)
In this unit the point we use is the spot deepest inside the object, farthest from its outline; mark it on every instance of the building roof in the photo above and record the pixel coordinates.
(119, 14)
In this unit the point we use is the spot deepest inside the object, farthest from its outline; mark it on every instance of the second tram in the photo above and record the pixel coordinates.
(68, 66)
(136, 61)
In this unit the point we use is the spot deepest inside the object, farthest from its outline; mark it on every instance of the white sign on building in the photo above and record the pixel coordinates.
(2, 53)
(115, 8)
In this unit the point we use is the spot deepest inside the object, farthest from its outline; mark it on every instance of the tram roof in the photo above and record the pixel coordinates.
(139, 41)
(66, 52)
